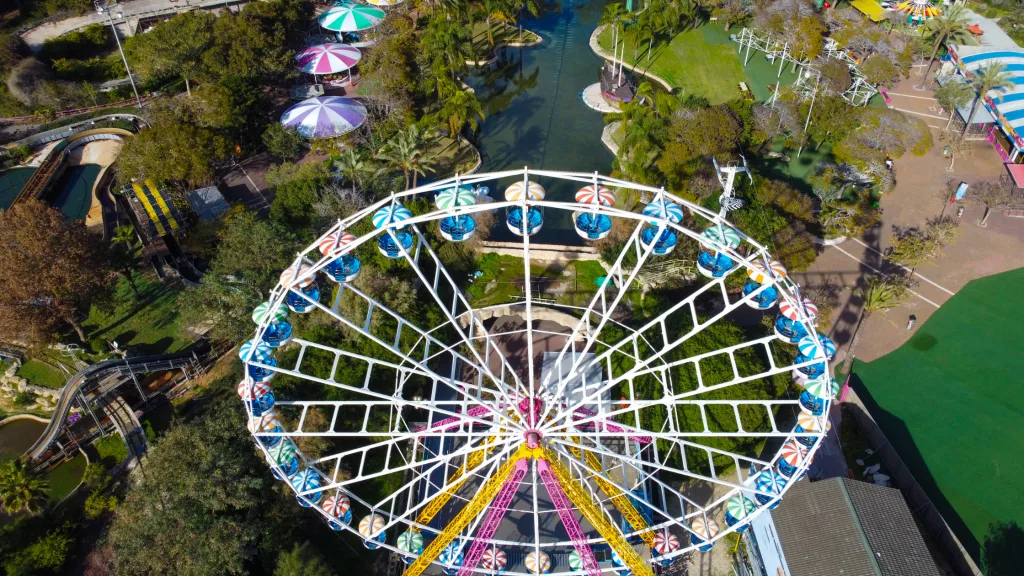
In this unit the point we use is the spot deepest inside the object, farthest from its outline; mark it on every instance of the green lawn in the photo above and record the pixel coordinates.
(111, 450)
(65, 478)
(451, 158)
(41, 374)
(690, 62)
(502, 34)
(503, 275)
(148, 325)
(950, 401)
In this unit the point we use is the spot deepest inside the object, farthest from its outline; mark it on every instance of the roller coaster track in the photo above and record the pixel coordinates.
(97, 372)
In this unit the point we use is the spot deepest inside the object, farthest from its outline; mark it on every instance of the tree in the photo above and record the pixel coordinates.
(21, 488)
(50, 269)
(949, 27)
(285, 143)
(612, 16)
(257, 42)
(879, 70)
(302, 560)
(175, 47)
(808, 39)
(991, 78)
(124, 258)
(447, 45)
(943, 229)
(203, 506)
(955, 147)
(835, 77)
(911, 247)
(996, 194)
(172, 150)
(952, 96)
(296, 187)
(878, 293)
(45, 555)
(832, 118)
(460, 110)
(696, 135)
(355, 165)
(408, 152)
(731, 12)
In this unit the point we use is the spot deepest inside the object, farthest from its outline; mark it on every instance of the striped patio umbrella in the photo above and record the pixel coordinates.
(250, 391)
(324, 116)
(918, 10)
(391, 214)
(451, 555)
(519, 189)
(790, 311)
(705, 528)
(759, 274)
(351, 17)
(808, 422)
(411, 541)
(808, 347)
(334, 244)
(337, 506)
(371, 526)
(723, 236)
(291, 276)
(665, 542)
(455, 198)
(494, 558)
(739, 507)
(538, 564)
(768, 482)
(260, 352)
(665, 210)
(283, 452)
(793, 453)
(822, 387)
(329, 58)
(595, 194)
(269, 313)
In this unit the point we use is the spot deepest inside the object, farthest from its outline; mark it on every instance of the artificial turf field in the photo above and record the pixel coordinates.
(951, 401)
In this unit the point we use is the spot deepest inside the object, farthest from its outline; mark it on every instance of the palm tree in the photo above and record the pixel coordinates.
(612, 14)
(993, 77)
(498, 11)
(460, 110)
(408, 152)
(21, 488)
(950, 27)
(124, 234)
(354, 165)
(879, 293)
(448, 45)
(645, 92)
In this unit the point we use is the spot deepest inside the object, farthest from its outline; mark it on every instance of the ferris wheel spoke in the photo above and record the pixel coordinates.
(449, 310)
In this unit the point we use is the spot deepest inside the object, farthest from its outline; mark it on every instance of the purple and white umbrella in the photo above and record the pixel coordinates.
(325, 116)
(329, 58)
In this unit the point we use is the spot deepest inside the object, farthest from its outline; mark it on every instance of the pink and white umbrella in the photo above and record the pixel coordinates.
(793, 453)
(325, 116)
(335, 244)
(329, 58)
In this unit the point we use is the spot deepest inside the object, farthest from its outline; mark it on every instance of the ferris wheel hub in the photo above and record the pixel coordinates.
(533, 438)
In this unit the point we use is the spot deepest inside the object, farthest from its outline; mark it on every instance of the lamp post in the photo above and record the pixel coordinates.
(110, 18)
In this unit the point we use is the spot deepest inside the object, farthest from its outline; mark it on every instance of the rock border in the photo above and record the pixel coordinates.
(596, 48)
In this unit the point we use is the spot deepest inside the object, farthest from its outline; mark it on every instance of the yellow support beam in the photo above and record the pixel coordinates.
(473, 508)
(597, 519)
(435, 505)
(619, 500)
(161, 204)
(141, 195)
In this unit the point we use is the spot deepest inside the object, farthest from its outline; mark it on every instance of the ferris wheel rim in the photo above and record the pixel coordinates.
(313, 263)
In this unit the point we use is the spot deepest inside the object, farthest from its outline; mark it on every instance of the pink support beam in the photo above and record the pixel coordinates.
(584, 413)
(565, 512)
(456, 421)
(496, 511)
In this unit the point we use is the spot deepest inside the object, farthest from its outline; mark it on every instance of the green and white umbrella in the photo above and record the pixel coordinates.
(411, 541)
(349, 17)
(723, 236)
(455, 198)
(575, 562)
(822, 387)
(740, 506)
(276, 313)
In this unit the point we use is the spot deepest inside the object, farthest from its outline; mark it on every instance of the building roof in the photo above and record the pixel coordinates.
(850, 528)
(208, 203)
(1007, 104)
(870, 8)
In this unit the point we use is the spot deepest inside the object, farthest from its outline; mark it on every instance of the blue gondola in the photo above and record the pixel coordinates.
(340, 523)
(789, 330)
(764, 300)
(811, 370)
(770, 483)
(261, 374)
(714, 264)
(812, 404)
(389, 248)
(458, 228)
(514, 219)
(591, 226)
(308, 479)
(344, 269)
(665, 244)
(278, 334)
(296, 303)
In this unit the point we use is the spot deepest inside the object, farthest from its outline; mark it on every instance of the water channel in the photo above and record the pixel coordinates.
(535, 116)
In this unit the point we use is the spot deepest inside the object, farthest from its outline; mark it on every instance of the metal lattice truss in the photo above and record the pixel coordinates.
(463, 433)
(858, 94)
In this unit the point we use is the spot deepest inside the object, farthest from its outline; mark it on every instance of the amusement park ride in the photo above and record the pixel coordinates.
(506, 469)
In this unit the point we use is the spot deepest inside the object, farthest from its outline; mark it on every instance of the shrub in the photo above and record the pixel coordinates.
(97, 504)
(95, 69)
(84, 43)
(23, 399)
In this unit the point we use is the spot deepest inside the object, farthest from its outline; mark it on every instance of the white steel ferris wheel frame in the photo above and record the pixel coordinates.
(494, 395)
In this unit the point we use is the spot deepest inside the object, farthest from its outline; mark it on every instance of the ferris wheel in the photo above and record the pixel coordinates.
(530, 436)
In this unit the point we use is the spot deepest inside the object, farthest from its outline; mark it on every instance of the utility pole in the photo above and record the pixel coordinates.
(110, 18)
(810, 108)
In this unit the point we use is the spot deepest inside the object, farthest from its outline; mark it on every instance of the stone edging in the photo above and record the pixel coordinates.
(24, 417)
(829, 241)
(507, 45)
(606, 137)
(645, 72)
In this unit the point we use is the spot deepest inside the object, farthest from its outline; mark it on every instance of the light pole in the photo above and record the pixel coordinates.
(110, 18)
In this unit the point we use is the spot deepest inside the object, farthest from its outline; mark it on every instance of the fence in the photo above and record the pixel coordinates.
(918, 500)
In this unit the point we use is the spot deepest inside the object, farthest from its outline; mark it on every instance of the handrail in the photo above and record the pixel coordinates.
(74, 385)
